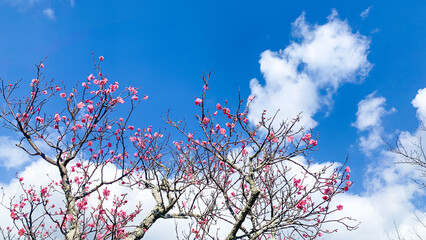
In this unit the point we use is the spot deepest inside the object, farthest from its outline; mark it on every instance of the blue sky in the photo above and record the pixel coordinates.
(165, 46)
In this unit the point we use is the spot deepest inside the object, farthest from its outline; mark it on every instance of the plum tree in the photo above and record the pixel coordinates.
(253, 180)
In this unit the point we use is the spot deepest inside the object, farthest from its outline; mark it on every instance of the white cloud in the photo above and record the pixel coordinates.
(419, 102)
(366, 12)
(10, 155)
(372, 141)
(49, 13)
(370, 112)
(387, 203)
(40, 173)
(378, 212)
(304, 76)
(34, 175)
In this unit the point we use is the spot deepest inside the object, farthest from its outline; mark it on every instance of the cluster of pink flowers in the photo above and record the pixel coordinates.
(198, 101)
(39, 119)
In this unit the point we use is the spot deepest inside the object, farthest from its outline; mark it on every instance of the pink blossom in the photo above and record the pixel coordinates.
(57, 118)
(301, 204)
(90, 107)
(198, 101)
(190, 136)
(43, 191)
(145, 97)
(106, 192)
(222, 131)
(339, 207)
(63, 95)
(251, 98)
(306, 137)
(82, 204)
(39, 119)
(296, 181)
(313, 142)
(290, 138)
(21, 232)
(80, 105)
(120, 100)
(205, 120)
(89, 143)
(244, 152)
(218, 107)
(329, 191)
(90, 77)
(103, 82)
(69, 218)
(101, 58)
(41, 65)
(21, 179)
(134, 97)
(347, 169)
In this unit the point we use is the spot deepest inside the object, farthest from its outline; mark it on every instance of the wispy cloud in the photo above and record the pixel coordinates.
(370, 112)
(366, 12)
(10, 155)
(419, 102)
(304, 76)
(49, 13)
